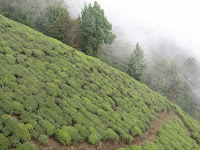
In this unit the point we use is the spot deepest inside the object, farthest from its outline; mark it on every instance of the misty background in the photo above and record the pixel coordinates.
(161, 27)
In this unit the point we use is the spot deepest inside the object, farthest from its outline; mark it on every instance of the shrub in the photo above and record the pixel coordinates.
(21, 132)
(82, 130)
(94, 138)
(30, 104)
(73, 133)
(14, 141)
(48, 127)
(134, 147)
(149, 146)
(18, 107)
(10, 59)
(110, 134)
(7, 107)
(29, 126)
(26, 146)
(63, 137)
(26, 116)
(8, 50)
(21, 59)
(37, 53)
(10, 124)
(136, 131)
(43, 139)
(4, 142)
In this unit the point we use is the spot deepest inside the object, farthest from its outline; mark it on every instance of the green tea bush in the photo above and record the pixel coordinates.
(63, 137)
(8, 50)
(135, 131)
(135, 147)
(110, 134)
(26, 146)
(73, 133)
(149, 146)
(26, 116)
(14, 141)
(94, 138)
(4, 142)
(37, 53)
(18, 107)
(43, 139)
(7, 107)
(10, 59)
(21, 59)
(48, 127)
(82, 130)
(4, 44)
(9, 123)
(21, 132)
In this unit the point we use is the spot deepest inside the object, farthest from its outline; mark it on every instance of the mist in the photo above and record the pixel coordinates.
(163, 27)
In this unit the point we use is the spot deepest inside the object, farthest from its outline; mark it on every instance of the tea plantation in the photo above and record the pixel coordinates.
(48, 89)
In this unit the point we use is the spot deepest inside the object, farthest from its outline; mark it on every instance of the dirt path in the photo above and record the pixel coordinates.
(148, 136)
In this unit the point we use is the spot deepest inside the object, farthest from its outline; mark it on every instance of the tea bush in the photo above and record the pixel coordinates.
(43, 139)
(4, 142)
(172, 135)
(49, 85)
(62, 136)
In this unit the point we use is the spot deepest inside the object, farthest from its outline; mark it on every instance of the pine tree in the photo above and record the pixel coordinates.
(137, 66)
(96, 29)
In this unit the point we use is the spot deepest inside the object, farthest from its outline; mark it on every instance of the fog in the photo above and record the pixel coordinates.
(162, 26)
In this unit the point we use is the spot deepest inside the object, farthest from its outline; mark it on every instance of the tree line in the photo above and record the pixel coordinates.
(51, 17)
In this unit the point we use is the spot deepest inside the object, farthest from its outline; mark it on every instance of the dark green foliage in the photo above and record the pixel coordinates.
(83, 132)
(26, 146)
(136, 131)
(48, 127)
(73, 133)
(18, 107)
(4, 142)
(21, 132)
(63, 137)
(110, 134)
(43, 139)
(49, 17)
(94, 138)
(9, 123)
(136, 65)
(96, 29)
(7, 107)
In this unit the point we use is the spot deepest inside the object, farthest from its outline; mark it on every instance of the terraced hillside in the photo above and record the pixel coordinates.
(51, 92)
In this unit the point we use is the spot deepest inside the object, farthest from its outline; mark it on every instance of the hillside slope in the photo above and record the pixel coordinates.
(50, 90)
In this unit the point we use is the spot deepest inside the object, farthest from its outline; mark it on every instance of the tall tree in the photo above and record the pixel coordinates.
(137, 66)
(96, 29)
(191, 71)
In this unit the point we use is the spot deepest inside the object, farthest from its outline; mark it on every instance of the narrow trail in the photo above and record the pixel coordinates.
(148, 136)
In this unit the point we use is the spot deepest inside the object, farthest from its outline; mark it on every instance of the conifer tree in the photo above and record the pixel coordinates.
(96, 29)
(137, 66)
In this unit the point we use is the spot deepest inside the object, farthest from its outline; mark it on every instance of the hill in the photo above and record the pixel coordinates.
(51, 92)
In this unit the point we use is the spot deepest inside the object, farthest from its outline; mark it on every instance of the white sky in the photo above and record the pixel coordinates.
(148, 21)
